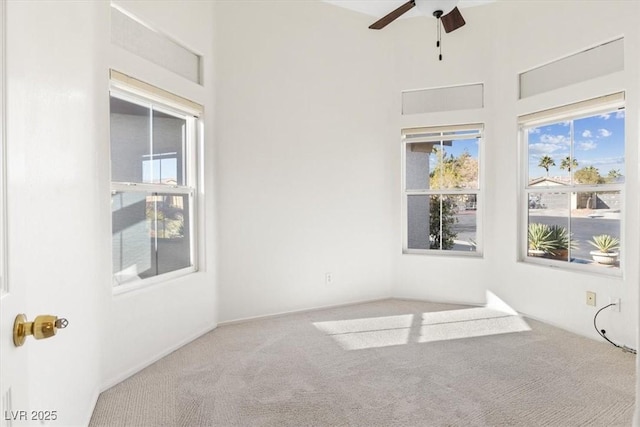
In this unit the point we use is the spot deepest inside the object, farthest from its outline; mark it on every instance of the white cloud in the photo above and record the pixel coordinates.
(613, 162)
(587, 145)
(550, 144)
(604, 133)
(605, 116)
(555, 139)
(620, 114)
(587, 134)
(534, 131)
(540, 147)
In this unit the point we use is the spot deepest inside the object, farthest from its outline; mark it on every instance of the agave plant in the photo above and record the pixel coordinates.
(540, 237)
(605, 243)
(561, 239)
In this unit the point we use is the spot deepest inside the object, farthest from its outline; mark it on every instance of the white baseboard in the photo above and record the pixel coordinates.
(304, 310)
(440, 301)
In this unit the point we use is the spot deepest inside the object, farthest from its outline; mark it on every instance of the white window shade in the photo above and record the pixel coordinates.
(599, 61)
(570, 111)
(451, 98)
(138, 87)
(139, 39)
(438, 133)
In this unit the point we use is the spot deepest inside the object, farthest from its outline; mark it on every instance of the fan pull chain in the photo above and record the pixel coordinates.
(439, 42)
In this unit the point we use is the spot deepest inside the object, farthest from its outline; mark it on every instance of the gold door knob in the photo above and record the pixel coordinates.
(44, 326)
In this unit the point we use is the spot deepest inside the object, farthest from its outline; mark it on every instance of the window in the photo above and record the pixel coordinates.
(441, 183)
(153, 185)
(573, 184)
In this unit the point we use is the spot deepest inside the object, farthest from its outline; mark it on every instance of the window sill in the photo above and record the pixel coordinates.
(135, 285)
(445, 253)
(582, 266)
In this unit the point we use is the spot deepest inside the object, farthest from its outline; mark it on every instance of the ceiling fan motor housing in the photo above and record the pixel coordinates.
(430, 7)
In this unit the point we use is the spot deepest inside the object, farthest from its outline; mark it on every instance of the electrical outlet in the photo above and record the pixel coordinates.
(591, 298)
(616, 301)
(328, 278)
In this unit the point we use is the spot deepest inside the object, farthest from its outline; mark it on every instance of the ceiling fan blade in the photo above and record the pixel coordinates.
(452, 20)
(388, 19)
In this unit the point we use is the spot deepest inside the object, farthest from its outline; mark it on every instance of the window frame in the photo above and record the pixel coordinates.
(136, 92)
(406, 193)
(569, 112)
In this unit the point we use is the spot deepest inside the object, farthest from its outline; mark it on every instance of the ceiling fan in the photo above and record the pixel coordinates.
(445, 11)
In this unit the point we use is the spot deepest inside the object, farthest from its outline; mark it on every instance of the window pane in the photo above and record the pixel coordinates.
(172, 232)
(132, 246)
(548, 146)
(418, 222)
(442, 222)
(166, 166)
(441, 165)
(150, 234)
(560, 233)
(454, 164)
(548, 233)
(464, 226)
(130, 140)
(595, 214)
(599, 148)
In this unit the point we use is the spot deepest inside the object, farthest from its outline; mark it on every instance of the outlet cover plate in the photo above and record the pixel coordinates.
(591, 298)
(616, 301)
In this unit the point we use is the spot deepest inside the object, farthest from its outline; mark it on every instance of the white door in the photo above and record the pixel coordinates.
(57, 207)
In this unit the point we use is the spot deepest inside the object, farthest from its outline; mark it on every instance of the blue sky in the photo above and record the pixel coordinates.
(598, 141)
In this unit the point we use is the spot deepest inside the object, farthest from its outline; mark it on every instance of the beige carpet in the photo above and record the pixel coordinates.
(388, 363)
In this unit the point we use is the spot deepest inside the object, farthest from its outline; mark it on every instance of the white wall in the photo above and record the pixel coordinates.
(499, 41)
(305, 157)
(147, 324)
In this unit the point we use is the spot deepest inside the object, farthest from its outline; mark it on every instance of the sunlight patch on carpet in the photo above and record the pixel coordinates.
(375, 332)
(468, 323)
(357, 334)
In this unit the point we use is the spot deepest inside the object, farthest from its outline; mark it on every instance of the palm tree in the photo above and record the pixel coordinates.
(568, 163)
(546, 162)
(613, 175)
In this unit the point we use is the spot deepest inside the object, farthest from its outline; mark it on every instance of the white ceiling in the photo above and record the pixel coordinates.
(379, 8)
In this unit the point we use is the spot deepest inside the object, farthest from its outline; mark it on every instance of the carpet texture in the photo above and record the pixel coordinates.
(387, 363)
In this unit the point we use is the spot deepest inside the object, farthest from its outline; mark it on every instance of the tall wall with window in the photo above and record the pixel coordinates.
(499, 43)
(163, 223)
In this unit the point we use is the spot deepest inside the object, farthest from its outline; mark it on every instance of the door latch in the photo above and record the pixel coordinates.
(43, 326)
